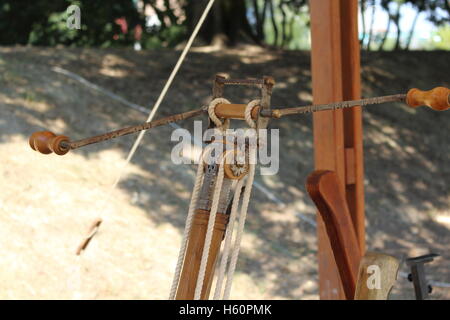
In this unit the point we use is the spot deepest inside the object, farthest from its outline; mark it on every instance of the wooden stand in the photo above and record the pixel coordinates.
(337, 134)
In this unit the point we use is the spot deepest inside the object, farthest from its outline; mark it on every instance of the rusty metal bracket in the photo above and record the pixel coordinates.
(265, 84)
(417, 276)
(266, 95)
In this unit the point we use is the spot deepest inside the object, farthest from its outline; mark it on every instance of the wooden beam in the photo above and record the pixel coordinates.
(323, 188)
(335, 76)
(353, 131)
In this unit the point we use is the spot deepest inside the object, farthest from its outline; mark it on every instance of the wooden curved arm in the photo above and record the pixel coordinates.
(437, 99)
(47, 142)
(323, 188)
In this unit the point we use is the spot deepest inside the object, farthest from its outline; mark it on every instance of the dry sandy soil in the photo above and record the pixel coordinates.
(48, 202)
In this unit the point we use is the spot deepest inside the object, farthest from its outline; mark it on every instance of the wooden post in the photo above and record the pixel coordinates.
(337, 134)
(194, 251)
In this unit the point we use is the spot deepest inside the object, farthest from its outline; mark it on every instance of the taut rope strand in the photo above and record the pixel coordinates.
(228, 237)
(167, 85)
(242, 217)
(209, 230)
(187, 227)
(164, 91)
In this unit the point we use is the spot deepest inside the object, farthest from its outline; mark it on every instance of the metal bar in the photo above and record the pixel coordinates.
(422, 288)
(275, 113)
(419, 281)
(134, 129)
(245, 82)
(337, 105)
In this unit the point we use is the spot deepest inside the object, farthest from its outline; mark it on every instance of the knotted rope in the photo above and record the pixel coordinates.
(212, 114)
(248, 113)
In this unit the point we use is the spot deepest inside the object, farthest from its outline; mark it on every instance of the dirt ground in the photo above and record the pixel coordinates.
(48, 202)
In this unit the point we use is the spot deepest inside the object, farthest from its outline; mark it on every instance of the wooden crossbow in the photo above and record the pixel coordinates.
(186, 286)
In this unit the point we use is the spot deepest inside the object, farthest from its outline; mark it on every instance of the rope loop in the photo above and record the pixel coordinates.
(248, 112)
(212, 114)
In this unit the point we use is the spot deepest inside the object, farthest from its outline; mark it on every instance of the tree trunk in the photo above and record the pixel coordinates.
(372, 22)
(274, 23)
(399, 30)
(388, 28)
(228, 21)
(363, 21)
(283, 26)
(260, 17)
(411, 32)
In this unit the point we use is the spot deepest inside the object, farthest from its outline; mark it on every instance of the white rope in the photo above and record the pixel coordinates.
(212, 113)
(228, 236)
(166, 88)
(248, 112)
(209, 230)
(187, 227)
(242, 217)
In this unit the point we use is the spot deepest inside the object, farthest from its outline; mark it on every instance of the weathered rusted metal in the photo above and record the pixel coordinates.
(231, 111)
(336, 105)
(137, 128)
(240, 82)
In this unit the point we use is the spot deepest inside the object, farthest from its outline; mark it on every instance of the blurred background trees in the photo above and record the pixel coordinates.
(384, 24)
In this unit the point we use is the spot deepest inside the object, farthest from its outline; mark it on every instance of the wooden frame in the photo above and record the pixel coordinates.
(337, 134)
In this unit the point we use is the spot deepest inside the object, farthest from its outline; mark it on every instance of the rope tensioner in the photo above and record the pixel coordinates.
(212, 213)
(437, 99)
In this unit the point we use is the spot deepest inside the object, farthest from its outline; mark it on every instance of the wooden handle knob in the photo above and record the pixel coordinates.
(437, 99)
(47, 142)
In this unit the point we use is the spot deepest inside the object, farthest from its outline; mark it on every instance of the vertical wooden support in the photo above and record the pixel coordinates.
(353, 130)
(337, 134)
(193, 257)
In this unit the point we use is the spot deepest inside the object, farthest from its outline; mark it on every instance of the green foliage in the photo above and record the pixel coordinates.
(18, 18)
(278, 23)
(53, 32)
(441, 39)
(44, 22)
(292, 25)
(166, 37)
